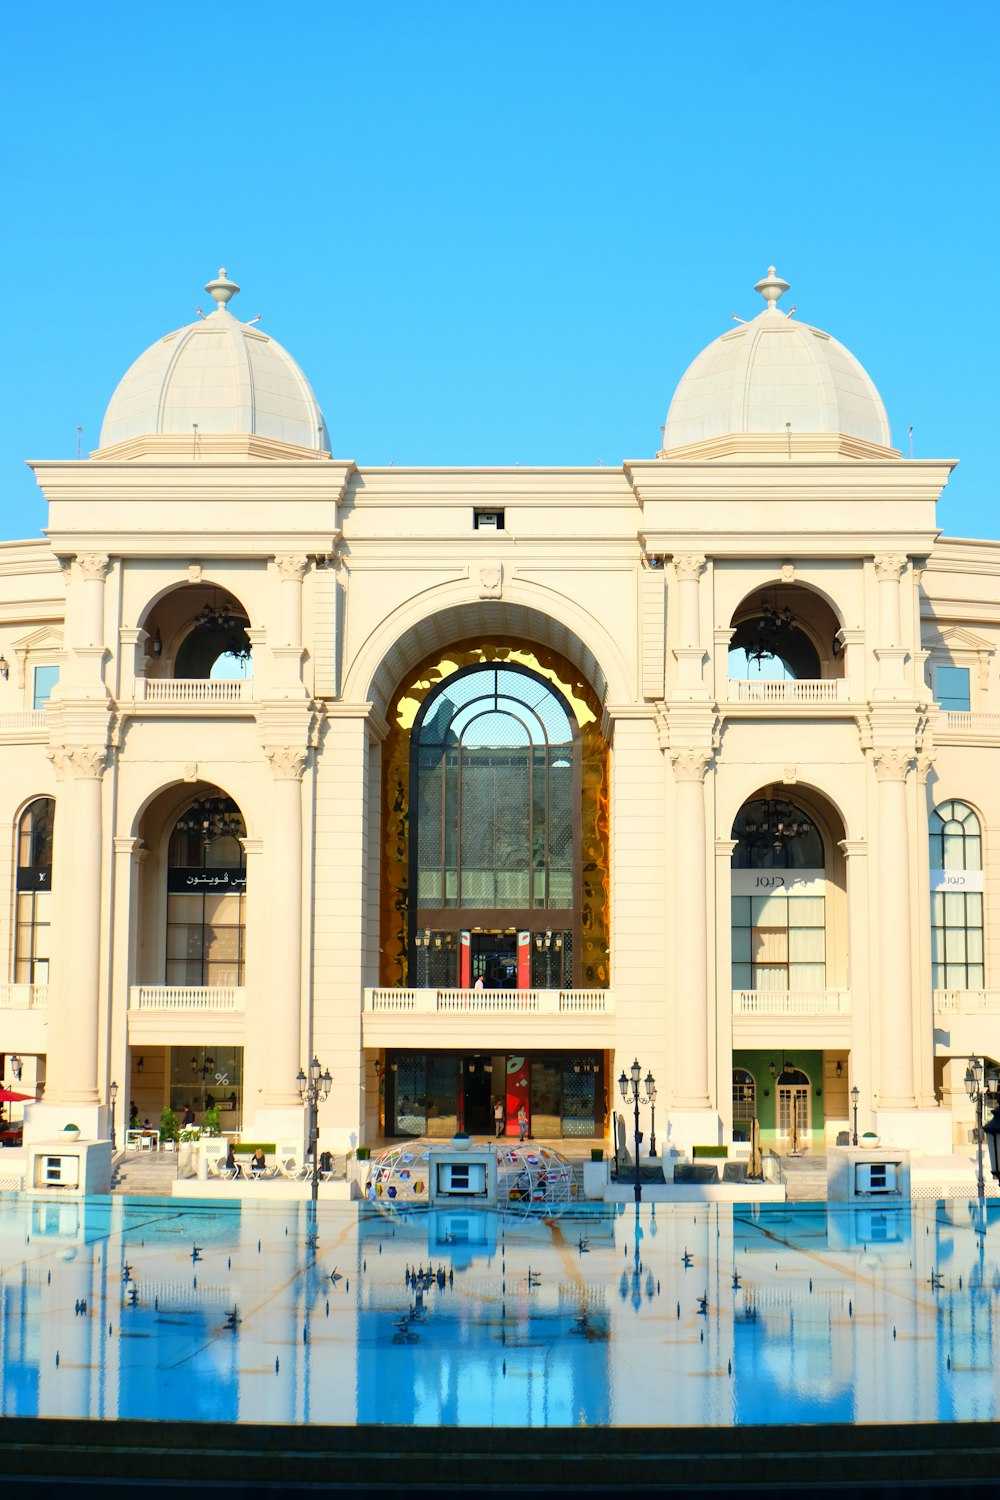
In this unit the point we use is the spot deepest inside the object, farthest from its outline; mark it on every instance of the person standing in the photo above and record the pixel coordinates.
(498, 1117)
(522, 1122)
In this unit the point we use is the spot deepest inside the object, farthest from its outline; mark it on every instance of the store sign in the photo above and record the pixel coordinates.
(778, 882)
(193, 882)
(956, 880)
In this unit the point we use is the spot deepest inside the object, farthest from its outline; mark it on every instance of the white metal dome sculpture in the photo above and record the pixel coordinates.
(530, 1179)
(216, 386)
(774, 386)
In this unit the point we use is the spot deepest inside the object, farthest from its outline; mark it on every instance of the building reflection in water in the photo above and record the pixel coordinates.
(733, 1314)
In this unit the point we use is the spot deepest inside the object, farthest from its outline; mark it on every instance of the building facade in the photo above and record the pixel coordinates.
(478, 784)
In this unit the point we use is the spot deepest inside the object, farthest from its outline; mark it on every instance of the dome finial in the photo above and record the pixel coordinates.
(771, 288)
(222, 289)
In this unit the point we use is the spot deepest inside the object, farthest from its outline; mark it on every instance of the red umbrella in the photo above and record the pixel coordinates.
(7, 1096)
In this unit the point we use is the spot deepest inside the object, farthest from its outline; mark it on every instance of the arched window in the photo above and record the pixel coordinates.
(34, 892)
(206, 895)
(956, 859)
(494, 754)
(778, 899)
(494, 846)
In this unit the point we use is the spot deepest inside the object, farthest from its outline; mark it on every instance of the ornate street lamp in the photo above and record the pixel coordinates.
(978, 1094)
(113, 1096)
(16, 1064)
(855, 1096)
(313, 1091)
(631, 1081)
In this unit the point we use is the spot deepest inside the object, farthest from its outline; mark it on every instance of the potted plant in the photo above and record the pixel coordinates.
(211, 1121)
(168, 1125)
(71, 1132)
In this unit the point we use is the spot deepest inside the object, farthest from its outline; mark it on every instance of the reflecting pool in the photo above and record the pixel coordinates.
(725, 1314)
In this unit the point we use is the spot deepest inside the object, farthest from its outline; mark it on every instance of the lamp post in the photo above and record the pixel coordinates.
(976, 1092)
(651, 1095)
(855, 1096)
(631, 1080)
(113, 1096)
(313, 1091)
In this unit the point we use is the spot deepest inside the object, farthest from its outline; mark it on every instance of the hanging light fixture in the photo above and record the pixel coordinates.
(225, 620)
(772, 631)
(774, 822)
(212, 817)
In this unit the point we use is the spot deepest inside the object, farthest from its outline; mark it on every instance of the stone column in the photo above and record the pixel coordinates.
(292, 567)
(689, 654)
(94, 568)
(72, 1071)
(284, 1007)
(287, 648)
(889, 649)
(895, 1077)
(692, 1088)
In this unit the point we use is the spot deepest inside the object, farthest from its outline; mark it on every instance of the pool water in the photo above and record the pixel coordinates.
(725, 1314)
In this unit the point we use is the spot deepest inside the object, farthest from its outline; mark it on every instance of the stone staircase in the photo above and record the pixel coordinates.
(805, 1178)
(146, 1174)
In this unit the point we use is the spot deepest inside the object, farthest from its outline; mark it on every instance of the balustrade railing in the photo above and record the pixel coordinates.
(489, 1002)
(967, 723)
(24, 996)
(193, 690)
(791, 1002)
(802, 690)
(189, 997)
(967, 1002)
(26, 719)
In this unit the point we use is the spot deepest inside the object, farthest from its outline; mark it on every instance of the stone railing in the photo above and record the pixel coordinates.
(969, 724)
(189, 997)
(24, 996)
(428, 1002)
(30, 719)
(805, 690)
(791, 1002)
(193, 690)
(967, 1002)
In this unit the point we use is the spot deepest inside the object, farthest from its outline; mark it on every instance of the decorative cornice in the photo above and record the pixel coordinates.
(889, 567)
(292, 566)
(288, 762)
(95, 566)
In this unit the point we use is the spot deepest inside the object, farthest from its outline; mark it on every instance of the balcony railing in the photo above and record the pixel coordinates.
(490, 1002)
(967, 1002)
(971, 724)
(189, 997)
(25, 719)
(804, 690)
(185, 690)
(791, 1002)
(24, 996)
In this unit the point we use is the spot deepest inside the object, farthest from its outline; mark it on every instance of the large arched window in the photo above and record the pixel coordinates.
(34, 892)
(956, 859)
(493, 753)
(778, 899)
(206, 895)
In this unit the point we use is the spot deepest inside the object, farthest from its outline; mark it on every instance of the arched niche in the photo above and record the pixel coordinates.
(786, 631)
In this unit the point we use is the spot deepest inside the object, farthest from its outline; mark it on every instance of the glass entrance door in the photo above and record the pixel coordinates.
(494, 960)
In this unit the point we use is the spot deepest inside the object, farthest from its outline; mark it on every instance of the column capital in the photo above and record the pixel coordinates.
(892, 765)
(853, 848)
(889, 566)
(288, 762)
(688, 566)
(690, 762)
(79, 762)
(95, 566)
(925, 762)
(131, 848)
(292, 566)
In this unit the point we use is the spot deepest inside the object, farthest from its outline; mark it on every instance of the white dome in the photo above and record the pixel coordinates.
(215, 379)
(775, 382)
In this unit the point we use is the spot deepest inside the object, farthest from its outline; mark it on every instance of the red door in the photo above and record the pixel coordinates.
(524, 960)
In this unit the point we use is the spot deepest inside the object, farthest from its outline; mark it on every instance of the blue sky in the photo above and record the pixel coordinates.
(499, 233)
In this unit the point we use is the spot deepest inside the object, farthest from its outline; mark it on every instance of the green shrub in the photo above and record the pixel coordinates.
(168, 1125)
(702, 1151)
(268, 1147)
(211, 1120)
(596, 1153)
(363, 1153)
